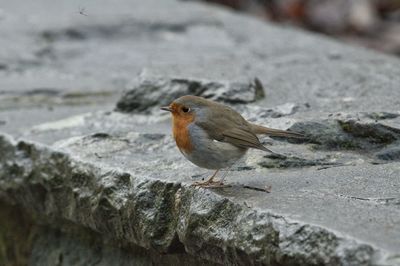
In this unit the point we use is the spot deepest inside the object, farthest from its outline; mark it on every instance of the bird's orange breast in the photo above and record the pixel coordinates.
(181, 132)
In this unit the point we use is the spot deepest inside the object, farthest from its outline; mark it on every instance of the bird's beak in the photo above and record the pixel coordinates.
(166, 108)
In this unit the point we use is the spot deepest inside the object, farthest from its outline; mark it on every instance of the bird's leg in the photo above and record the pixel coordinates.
(210, 182)
(225, 174)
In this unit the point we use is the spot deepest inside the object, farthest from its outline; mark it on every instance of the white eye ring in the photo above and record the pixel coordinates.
(185, 109)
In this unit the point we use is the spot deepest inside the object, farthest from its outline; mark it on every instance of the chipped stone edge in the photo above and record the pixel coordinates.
(166, 216)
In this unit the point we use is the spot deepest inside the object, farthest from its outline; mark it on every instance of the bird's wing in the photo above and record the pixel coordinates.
(243, 138)
(226, 125)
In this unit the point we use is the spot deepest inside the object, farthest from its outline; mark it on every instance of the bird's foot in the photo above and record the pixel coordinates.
(210, 184)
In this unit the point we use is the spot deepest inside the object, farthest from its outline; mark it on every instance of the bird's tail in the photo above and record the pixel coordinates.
(276, 132)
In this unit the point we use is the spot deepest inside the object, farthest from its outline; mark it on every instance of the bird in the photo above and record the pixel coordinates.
(214, 136)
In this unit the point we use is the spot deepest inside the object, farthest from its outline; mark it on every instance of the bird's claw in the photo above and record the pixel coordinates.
(209, 184)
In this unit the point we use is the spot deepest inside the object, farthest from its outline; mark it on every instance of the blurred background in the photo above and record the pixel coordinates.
(370, 23)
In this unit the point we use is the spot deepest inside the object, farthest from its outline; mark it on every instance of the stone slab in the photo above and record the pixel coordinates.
(68, 157)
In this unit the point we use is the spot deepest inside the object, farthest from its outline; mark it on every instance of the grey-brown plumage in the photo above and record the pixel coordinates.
(224, 124)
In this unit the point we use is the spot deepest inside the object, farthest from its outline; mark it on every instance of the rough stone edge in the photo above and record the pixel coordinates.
(116, 204)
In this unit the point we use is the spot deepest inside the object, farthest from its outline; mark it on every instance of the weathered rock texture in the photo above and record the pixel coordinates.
(89, 174)
(158, 214)
(156, 92)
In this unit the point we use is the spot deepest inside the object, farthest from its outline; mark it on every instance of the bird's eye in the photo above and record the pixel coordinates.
(185, 109)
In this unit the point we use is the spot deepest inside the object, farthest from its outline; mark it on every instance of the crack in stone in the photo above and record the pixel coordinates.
(124, 29)
(385, 201)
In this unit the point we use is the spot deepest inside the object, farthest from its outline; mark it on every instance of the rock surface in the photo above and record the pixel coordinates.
(93, 186)
(156, 92)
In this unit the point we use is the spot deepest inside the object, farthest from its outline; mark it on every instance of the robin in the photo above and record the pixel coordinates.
(214, 136)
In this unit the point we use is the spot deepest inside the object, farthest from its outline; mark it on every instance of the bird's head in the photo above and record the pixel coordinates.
(187, 107)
